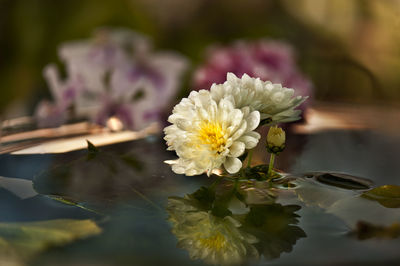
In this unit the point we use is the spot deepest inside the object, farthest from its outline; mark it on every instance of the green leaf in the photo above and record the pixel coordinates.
(341, 180)
(21, 241)
(251, 173)
(263, 168)
(266, 121)
(387, 195)
(71, 202)
(92, 150)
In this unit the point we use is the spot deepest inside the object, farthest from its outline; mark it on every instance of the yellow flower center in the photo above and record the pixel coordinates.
(213, 134)
(215, 242)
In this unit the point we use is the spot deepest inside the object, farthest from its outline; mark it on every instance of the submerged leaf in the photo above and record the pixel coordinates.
(366, 230)
(24, 240)
(387, 195)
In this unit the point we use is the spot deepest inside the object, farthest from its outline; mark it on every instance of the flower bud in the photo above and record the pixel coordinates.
(276, 140)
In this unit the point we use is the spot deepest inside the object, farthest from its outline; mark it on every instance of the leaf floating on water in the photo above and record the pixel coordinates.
(387, 195)
(341, 180)
(366, 230)
(68, 201)
(24, 240)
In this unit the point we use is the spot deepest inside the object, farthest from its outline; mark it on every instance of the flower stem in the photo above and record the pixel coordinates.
(271, 166)
(249, 158)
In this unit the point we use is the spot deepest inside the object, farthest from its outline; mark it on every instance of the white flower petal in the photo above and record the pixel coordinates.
(237, 149)
(250, 141)
(203, 134)
(269, 99)
(253, 120)
(232, 165)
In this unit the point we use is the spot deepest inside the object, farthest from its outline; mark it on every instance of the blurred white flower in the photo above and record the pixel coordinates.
(207, 134)
(275, 103)
(115, 74)
(215, 240)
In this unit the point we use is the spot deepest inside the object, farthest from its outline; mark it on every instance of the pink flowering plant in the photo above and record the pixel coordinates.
(113, 74)
(268, 60)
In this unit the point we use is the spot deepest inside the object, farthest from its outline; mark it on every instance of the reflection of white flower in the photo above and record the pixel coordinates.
(212, 239)
(273, 101)
(207, 134)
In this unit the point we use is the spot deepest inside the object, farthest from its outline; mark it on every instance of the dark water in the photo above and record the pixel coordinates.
(138, 204)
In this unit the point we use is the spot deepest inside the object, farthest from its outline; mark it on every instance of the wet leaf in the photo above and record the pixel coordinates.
(251, 173)
(24, 240)
(387, 195)
(340, 180)
(366, 230)
(263, 168)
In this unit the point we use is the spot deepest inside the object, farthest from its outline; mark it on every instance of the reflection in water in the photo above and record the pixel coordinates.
(364, 231)
(370, 213)
(222, 228)
(214, 239)
(102, 178)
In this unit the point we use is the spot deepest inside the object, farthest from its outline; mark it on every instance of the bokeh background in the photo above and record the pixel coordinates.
(350, 49)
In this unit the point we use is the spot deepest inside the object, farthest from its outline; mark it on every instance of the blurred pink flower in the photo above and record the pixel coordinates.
(265, 59)
(113, 74)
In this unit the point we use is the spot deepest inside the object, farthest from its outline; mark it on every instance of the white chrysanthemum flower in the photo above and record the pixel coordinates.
(274, 102)
(213, 239)
(207, 134)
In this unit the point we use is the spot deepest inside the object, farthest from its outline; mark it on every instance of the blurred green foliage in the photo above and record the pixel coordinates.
(30, 32)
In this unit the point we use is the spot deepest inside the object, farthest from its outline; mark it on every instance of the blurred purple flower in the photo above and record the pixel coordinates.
(113, 74)
(264, 59)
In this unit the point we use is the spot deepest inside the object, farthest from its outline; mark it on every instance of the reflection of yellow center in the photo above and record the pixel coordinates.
(215, 242)
(213, 134)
